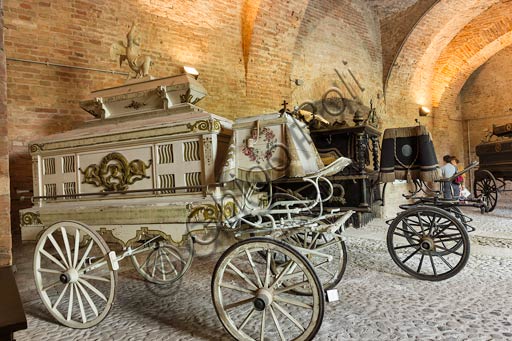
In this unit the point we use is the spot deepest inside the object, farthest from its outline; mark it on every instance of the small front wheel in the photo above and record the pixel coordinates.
(72, 274)
(251, 301)
(160, 261)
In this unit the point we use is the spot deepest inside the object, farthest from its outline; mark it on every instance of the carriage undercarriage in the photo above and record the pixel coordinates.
(302, 254)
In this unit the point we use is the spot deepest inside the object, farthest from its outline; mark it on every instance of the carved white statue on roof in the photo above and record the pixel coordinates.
(131, 52)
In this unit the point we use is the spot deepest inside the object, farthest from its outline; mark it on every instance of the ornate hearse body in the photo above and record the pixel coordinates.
(144, 160)
(156, 174)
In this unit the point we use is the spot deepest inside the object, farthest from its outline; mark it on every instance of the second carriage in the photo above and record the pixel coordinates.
(495, 170)
(429, 239)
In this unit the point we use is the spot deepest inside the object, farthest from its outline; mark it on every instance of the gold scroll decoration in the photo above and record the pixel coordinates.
(30, 218)
(115, 173)
(213, 212)
(210, 125)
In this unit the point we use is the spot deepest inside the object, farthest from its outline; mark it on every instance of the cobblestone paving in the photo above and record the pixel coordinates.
(377, 300)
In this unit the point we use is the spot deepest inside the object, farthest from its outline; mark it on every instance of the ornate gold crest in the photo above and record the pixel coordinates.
(114, 173)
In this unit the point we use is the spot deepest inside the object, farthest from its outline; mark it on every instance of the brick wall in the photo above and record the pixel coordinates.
(396, 24)
(485, 99)
(345, 38)
(246, 52)
(5, 226)
(471, 47)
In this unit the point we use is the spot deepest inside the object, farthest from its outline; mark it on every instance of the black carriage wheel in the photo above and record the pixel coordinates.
(428, 243)
(464, 220)
(485, 187)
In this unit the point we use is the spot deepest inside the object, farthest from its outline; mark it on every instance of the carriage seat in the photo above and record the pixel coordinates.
(333, 168)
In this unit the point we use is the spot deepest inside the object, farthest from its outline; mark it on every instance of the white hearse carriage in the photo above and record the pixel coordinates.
(151, 165)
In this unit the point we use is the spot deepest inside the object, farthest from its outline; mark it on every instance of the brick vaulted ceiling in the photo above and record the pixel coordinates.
(448, 43)
(479, 40)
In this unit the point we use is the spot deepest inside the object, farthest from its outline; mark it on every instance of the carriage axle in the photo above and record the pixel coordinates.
(263, 299)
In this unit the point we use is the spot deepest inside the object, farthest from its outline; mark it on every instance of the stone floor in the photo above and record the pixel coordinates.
(377, 300)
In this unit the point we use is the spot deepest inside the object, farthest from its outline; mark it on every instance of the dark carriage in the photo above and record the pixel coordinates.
(351, 130)
(429, 239)
(495, 156)
(358, 185)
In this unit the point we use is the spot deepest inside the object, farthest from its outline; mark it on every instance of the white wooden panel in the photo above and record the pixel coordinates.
(181, 165)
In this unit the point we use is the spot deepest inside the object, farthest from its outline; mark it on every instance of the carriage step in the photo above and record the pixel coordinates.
(332, 295)
(112, 261)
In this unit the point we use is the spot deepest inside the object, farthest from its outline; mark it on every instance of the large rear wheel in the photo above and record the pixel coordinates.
(485, 187)
(251, 301)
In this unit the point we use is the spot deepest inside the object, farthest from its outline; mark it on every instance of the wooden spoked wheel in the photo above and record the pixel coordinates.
(162, 262)
(485, 187)
(428, 243)
(457, 213)
(328, 257)
(251, 301)
(72, 274)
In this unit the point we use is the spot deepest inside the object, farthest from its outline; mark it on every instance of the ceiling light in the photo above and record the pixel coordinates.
(191, 71)
(424, 111)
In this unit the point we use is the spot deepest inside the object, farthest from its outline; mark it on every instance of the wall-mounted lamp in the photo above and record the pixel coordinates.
(191, 71)
(424, 111)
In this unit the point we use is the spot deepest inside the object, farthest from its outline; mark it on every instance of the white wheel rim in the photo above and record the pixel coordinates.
(236, 286)
(80, 299)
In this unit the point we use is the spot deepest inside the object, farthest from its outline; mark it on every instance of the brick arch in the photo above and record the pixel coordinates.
(448, 117)
(448, 101)
(476, 43)
(473, 46)
(409, 81)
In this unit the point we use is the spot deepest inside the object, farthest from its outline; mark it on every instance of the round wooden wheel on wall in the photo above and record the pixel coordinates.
(72, 274)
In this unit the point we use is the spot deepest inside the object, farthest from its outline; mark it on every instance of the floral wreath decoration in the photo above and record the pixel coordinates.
(259, 155)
